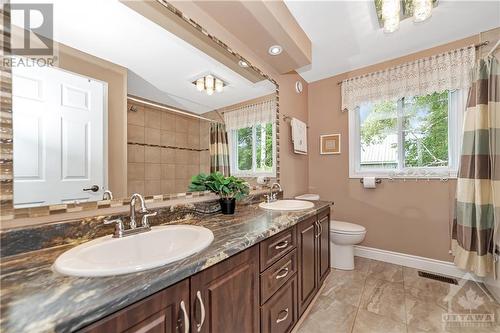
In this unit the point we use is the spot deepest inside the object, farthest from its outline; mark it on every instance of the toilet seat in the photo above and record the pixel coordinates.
(347, 228)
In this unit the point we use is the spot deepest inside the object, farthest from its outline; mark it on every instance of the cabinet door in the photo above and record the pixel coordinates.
(225, 297)
(279, 314)
(158, 313)
(307, 253)
(323, 247)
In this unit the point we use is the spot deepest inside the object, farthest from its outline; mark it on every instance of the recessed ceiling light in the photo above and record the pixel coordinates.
(275, 50)
(243, 64)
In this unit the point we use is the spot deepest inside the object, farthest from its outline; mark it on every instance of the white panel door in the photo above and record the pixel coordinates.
(59, 136)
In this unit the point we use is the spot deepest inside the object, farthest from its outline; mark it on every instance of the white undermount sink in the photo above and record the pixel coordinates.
(287, 205)
(107, 256)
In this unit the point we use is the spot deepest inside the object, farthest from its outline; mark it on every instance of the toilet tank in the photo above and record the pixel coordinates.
(310, 197)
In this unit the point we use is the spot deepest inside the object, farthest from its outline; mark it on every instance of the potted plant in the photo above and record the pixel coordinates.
(229, 189)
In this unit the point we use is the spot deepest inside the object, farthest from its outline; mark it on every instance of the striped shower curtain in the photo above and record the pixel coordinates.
(478, 185)
(219, 150)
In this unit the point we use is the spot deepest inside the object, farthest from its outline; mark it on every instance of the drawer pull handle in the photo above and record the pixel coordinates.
(185, 317)
(317, 226)
(279, 320)
(282, 275)
(281, 245)
(202, 307)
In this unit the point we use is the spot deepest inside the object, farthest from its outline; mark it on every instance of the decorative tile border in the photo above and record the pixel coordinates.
(7, 210)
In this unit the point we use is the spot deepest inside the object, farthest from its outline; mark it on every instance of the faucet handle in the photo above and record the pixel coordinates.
(144, 220)
(119, 228)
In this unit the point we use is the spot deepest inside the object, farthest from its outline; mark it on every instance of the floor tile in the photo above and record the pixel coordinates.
(385, 271)
(344, 285)
(328, 315)
(368, 322)
(384, 298)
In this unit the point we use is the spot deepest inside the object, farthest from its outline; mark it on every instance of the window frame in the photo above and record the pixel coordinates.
(233, 154)
(455, 123)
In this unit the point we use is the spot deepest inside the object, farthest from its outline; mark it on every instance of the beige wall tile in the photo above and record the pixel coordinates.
(152, 136)
(168, 121)
(193, 141)
(193, 157)
(194, 127)
(135, 153)
(167, 186)
(135, 171)
(192, 170)
(167, 171)
(181, 140)
(135, 133)
(153, 118)
(181, 125)
(168, 138)
(135, 118)
(167, 155)
(181, 185)
(135, 186)
(205, 157)
(152, 171)
(181, 171)
(181, 156)
(152, 155)
(152, 187)
(205, 168)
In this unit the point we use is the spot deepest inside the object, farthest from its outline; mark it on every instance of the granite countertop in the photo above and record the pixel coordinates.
(34, 298)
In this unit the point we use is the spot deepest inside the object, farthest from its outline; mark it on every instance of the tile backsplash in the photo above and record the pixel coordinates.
(164, 150)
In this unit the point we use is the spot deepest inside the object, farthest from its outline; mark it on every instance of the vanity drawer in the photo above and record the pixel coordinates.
(279, 314)
(272, 249)
(277, 275)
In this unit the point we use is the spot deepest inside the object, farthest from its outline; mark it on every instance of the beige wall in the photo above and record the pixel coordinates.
(294, 168)
(409, 217)
(116, 77)
(164, 150)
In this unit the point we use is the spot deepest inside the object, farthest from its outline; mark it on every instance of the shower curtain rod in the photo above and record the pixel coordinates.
(486, 42)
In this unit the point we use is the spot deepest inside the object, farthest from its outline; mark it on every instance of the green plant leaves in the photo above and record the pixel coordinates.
(225, 187)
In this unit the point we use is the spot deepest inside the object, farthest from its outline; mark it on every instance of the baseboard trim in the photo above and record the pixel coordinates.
(408, 260)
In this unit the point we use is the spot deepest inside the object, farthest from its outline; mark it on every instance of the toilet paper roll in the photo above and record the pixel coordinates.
(369, 182)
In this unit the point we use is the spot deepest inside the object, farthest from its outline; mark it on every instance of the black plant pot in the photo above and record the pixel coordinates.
(227, 206)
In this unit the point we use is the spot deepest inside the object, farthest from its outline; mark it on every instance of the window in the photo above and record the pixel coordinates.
(417, 136)
(252, 151)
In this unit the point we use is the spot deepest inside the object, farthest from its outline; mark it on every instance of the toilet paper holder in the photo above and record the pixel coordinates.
(377, 181)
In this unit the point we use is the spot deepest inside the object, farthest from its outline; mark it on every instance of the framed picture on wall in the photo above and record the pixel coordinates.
(330, 144)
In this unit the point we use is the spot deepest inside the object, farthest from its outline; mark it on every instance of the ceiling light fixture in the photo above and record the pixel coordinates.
(422, 10)
(275, 50)
(209, 84)
(243, 63)
(390, 14)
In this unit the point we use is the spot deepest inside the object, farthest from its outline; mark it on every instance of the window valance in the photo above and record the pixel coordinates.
(251, 114)
(446, 71)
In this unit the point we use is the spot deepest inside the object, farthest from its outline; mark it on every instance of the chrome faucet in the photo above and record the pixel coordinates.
(273, 196)
(120, 230)
(107, 195)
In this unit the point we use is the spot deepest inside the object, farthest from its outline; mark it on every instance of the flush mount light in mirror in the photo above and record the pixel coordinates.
(166, 139)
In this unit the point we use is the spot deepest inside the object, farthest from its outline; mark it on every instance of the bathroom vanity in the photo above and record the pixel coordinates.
(259, 275)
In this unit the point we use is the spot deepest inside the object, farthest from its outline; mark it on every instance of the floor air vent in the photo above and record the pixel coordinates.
(437, 277)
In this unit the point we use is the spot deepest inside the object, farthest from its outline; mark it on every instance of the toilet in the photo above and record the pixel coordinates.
(343, 237)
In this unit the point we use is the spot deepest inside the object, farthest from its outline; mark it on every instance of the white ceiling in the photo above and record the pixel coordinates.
(345, 35)
(161, 66)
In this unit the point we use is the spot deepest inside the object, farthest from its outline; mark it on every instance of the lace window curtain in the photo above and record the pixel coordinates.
(446, 71)
(251, 114)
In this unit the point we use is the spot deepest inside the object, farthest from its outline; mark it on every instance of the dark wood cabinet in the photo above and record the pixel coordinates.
(313, 248)
(279, 314)
(159, 313)
(225, 297)
(307, 254)
(324, 246)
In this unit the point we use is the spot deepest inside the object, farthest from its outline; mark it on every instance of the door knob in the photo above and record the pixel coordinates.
(93, 188)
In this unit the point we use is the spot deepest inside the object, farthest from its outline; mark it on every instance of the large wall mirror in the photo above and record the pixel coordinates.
(128, 106)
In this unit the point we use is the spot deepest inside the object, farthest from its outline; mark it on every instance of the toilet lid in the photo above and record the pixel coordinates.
(346, 227)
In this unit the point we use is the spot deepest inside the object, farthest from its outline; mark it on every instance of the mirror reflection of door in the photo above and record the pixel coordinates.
(58, 137)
